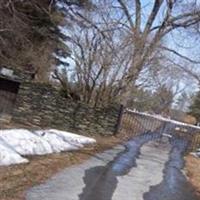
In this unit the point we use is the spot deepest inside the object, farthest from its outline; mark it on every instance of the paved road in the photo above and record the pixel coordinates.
(139, 170)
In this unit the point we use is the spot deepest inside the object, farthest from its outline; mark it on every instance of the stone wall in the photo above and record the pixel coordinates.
(41, 106)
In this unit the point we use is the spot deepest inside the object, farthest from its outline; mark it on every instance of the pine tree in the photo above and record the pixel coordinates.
(30, 37)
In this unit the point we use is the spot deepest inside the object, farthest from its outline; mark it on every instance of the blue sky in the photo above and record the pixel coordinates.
(175, 40)
(185, 42)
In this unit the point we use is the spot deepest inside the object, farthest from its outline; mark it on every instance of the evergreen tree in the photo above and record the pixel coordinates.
(30, 35)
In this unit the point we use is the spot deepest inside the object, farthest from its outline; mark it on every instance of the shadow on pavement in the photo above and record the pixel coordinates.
(174, 185)
(101, 181)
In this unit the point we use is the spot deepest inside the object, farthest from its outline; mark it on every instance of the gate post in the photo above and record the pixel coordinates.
(119, 119)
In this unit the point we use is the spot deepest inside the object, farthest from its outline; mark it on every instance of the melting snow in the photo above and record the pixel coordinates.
(15, 143)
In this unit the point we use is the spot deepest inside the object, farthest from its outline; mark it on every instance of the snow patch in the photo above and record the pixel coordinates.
(9, 156)
(71, 137)
(57, 143)
(25, 142)
(17, 142)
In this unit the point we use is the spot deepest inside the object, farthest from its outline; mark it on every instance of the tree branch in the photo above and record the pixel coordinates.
(188, 71)
(154, 12)
(138, 15)
(126, 12)
(180, 55)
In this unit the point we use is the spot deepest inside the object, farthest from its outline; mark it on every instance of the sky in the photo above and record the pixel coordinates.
(185, 43)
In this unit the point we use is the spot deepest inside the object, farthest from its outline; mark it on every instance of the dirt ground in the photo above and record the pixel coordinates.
(193, 171)
(14, 180)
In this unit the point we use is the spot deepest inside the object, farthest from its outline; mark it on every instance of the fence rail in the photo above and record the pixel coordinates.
(137, 123)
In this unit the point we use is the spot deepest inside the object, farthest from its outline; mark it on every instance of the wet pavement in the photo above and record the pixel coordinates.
(107, 182)
(140, 169)
(175, 185)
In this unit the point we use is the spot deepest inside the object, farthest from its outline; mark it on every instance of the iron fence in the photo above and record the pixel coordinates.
(136, 123)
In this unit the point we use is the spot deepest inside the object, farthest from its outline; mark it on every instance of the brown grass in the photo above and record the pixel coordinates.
(15, 180)
(193, 171)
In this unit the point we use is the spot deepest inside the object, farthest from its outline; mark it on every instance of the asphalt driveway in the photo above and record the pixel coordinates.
(141, 169)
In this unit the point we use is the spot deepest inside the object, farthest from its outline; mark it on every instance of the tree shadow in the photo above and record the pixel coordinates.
(100, 184)
(174, 186)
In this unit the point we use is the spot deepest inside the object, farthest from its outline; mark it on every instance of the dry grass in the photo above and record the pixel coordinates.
(14, 180)
(193, 171)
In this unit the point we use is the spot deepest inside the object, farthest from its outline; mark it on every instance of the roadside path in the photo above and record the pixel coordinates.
(139, 170)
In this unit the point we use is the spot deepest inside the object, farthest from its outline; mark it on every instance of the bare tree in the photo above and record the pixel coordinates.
(147, 35)
(120, 39)
(99, 65)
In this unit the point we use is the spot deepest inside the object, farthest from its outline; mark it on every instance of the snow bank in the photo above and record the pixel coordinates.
(57, 143)
(17, 142)
(71, 137)
(25, 142)
(9, 156)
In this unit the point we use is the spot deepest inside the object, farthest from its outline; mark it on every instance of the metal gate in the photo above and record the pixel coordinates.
(137, 123)
(8, 94)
